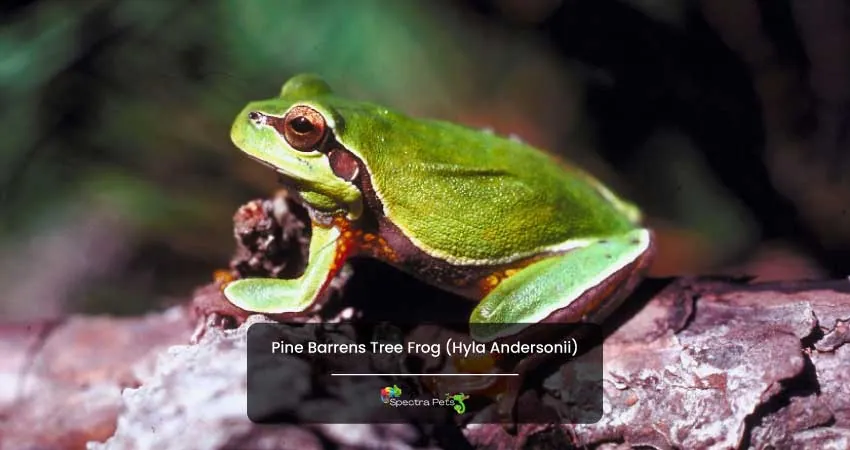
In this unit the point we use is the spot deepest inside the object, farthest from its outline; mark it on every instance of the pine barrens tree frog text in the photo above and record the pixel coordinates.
(433, 349)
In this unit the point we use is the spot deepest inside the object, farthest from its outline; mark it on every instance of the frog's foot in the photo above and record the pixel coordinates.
(568, 288)
(583, 285)
(293, 296)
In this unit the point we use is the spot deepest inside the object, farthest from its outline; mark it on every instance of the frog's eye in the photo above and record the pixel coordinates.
(302, 127)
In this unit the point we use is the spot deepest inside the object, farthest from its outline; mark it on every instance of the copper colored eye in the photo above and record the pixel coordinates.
(303, 128)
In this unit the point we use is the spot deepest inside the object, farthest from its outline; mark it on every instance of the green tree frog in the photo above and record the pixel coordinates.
(528, 237)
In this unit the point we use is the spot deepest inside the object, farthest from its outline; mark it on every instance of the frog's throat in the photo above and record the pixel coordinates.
(321, 199)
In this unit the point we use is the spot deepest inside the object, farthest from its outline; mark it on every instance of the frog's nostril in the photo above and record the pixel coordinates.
(254, 116)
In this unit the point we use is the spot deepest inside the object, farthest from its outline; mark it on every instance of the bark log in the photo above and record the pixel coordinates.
(688, 363)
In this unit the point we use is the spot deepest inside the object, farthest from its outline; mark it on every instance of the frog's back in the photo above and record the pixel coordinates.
(473, 197)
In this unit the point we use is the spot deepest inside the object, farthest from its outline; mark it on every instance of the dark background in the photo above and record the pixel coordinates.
(726, 119)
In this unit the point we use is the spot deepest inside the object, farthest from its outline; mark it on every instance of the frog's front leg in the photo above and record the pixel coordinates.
(327, 254)
(582, 285)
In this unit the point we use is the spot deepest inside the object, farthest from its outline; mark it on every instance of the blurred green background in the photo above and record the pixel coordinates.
(118, 180)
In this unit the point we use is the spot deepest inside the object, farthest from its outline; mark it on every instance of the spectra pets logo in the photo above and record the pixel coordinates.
(458, 406)
(390, 392)
(390, 395)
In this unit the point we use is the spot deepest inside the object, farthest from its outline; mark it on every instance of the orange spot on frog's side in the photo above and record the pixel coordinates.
(489, 282)
(345, 244)
(341, 223)
(377, 247)
(222, 277)
(355, 240)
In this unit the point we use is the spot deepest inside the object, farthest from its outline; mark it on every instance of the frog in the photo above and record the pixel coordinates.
(529, 237)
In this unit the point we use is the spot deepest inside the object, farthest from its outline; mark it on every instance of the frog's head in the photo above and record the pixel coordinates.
(294, 134)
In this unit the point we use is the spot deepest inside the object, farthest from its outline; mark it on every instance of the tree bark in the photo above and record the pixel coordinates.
(688, 363)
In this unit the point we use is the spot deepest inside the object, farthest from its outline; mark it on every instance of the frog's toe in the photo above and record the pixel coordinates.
(265, 295)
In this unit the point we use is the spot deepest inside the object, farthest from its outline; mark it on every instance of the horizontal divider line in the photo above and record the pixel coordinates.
(424, 374)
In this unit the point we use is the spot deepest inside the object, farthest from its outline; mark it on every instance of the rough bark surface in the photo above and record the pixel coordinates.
(688, 363)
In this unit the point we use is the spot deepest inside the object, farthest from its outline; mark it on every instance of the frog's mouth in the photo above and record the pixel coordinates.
(287, 179)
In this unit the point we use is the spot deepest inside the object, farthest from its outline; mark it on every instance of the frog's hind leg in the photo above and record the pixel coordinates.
(583, 285)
